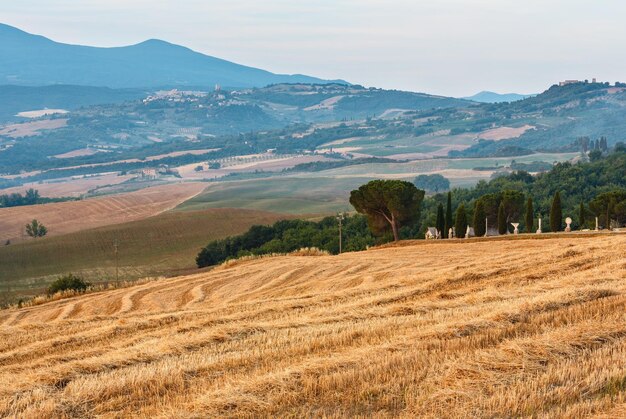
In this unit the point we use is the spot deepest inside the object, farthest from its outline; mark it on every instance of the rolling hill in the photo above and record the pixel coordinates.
(33, 60)
(506, 328)
(71, 216)
(492, 97)
(161, 245)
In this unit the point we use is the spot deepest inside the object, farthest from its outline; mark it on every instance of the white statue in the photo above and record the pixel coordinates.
(568, 221)
(539, 230)
(597, 225)
(515, 225)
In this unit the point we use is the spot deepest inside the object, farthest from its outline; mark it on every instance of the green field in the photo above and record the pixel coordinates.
(162, 245)
(327, 191)
(292, 195)
(435, 165)
(381, 146)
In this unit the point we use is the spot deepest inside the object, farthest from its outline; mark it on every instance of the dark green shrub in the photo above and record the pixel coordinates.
(67, 283)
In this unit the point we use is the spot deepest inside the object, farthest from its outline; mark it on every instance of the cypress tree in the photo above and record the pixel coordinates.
(460, 225)
(556, 213)
(581, 216)
(530, 216)
(502, 228)
(441, 223)
(479, 219)
(448, 215)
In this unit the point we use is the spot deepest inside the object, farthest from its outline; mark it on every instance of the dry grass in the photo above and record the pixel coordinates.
(163, 245)
(503, 133)
(310, 251)
(519, 328)
(27, 129)
(74, 187)
(68, 217)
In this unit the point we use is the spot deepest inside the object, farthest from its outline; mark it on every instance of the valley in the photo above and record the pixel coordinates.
(185, 135)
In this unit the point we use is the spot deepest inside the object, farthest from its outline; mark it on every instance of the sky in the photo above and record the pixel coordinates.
(447, 47)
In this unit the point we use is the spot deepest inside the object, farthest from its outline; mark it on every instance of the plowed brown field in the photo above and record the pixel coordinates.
(507, 328)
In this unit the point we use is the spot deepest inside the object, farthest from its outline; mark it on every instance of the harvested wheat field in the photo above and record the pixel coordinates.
(468, 329)
(71, 216)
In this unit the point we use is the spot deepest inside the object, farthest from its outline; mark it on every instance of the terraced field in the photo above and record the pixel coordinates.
(495, 328)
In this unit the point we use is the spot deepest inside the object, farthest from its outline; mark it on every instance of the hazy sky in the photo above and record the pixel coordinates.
(450, 47)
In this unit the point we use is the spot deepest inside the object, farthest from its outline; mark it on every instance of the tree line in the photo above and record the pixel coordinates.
(290, 235)
(586, 190)
(30, 197)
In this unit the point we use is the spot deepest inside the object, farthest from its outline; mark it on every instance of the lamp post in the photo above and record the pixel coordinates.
(117, 269)
(340, 218)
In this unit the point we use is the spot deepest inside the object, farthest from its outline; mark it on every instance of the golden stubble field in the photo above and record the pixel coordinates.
(71, 216)
(506, 328)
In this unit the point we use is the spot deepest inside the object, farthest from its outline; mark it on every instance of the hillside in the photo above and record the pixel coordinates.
(504, 328)
(32, 60)
(68, 217)
(557, 117)
(163, 244)
(16, 99)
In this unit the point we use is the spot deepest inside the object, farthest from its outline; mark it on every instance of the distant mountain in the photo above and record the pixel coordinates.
(492, 97)
(32, 60)
(15, 99)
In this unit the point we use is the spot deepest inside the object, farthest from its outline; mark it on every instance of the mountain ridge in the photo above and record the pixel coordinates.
(34, 60)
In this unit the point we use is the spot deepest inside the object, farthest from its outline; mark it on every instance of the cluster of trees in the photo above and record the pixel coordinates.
(318, 166)
(536, 166)
(586, 190)
(582, 191)
(432, 183)
(586, 144)
(495, 211)
(290, 235)
(31, 197)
